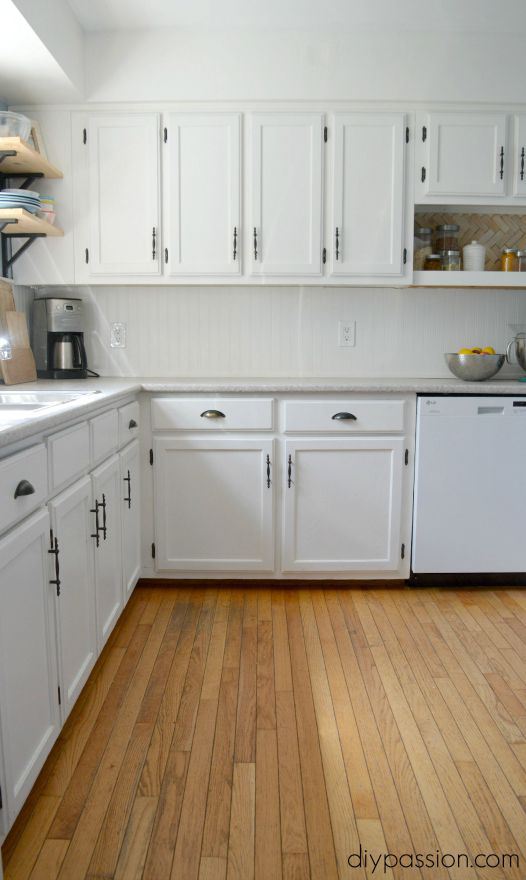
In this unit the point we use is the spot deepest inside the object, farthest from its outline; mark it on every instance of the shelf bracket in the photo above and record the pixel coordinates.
(7, 261)
(28, 177)
(5, 154)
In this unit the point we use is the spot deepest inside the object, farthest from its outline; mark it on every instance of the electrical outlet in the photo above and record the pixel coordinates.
(118, 335)
(346, 334)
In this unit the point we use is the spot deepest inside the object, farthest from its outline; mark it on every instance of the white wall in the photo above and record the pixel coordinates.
(292, 331)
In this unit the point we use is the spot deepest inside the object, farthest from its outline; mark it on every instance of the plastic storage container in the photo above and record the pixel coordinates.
(14, 125)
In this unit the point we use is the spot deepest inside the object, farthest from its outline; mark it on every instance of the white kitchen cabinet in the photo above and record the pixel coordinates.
(342, 504)
(130, 516)
(201, 194)
(368, 194)
(71, 527)
(214, 504)
(286, 183)
(519, 156)
(29, 708)
(106, 526)
(117, 194)
(462, 155)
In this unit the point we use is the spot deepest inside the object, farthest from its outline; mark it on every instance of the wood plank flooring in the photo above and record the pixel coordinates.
(257, 734)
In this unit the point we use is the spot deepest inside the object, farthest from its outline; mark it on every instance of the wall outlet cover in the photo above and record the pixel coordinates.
(118, 335)
(346, 334)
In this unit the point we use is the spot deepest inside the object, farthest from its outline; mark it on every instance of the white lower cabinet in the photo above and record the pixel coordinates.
(342, 504)
(30, 717)
(106, 528)
(77, 635)
(130, 516)
(214, 504)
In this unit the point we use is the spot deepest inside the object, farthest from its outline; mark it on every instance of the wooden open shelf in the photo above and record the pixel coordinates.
(28, 224)
(26, 160)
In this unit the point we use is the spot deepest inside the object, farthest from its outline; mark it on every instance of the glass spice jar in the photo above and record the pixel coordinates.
(509, 261)
(521, 256)
(433, 262)
(446, 237)
(422, 246)
(451, 261)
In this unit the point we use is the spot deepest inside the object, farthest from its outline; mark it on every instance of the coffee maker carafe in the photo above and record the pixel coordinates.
(58, 338)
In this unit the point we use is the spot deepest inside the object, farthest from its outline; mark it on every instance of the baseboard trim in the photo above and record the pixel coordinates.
(296, 584)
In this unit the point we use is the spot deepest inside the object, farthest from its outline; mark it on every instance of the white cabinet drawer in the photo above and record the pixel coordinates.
(104, 435)
(212, 413)
(68, 453)
(346, 416)
(128, 422)
(25, 472)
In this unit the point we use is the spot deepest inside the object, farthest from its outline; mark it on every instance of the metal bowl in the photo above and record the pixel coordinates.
(474, 367)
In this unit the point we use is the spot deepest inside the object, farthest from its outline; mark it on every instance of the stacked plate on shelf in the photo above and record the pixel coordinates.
(20, 198)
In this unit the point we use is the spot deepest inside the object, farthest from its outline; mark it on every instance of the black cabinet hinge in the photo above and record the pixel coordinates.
(166, 255)
(325, 134)
(165, 135)
(324, 255)
(86, 255)
(1, 801)
(407, 134)
(402, 551)
(406, 456)
(153, 550)
(84, 136)
(59, 696)
(424, 133)
(151, 456)
(405, 256)
(423, 174)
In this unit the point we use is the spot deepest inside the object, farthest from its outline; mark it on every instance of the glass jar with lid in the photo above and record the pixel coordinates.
(509, 261)
(433, 262)
(446, 238)
(422, 246)
(451, 261)
(521, 256)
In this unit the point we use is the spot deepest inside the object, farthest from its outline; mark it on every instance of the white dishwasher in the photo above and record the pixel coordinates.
(470, 485)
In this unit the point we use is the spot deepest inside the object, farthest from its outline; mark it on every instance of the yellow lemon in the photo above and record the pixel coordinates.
(464, 351)
(488, 350)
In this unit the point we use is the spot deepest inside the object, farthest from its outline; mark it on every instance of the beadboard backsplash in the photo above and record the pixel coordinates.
(292, 331)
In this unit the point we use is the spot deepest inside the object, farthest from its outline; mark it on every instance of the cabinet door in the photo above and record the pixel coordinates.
(29, 710)
(213, 504)
(519, 160)
(130, 516)
(107, 501)
(286, 197)
(464, 154)
(368, 194)
(123, 194)
(71, 522)
(342, 504)
(201, 191)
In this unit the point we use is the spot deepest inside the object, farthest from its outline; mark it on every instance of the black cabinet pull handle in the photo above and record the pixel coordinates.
(103, 505)
(128, 497)
(337, 243)
(268, 472)
(55, 551)
(255, 243)
(24, 488)
(289, 472)
(95, 510)
(234, 253)
(501, 162)
(522, 164)
(212, 414)
(154, 243)
(132, 424)
(344, 416)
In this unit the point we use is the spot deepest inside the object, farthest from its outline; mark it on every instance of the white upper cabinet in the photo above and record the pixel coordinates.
(462, 154)
(366, 233)
(202, 194)
(286, 184)
(519, 160)
(117, 191)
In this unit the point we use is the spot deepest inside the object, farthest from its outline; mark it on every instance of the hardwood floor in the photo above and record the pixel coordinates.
(258, 734)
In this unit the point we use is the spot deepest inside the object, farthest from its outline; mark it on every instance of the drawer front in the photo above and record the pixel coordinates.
(128, 422)
(212, 414)
(352, 416)
(68, 454)
(104, 435)
(26, 471)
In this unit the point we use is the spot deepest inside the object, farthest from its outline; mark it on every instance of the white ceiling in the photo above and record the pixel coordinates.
(313, 15)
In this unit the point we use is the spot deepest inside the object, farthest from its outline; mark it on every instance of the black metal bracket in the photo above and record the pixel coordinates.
(5, 154)
(8, 260)
(27, 177)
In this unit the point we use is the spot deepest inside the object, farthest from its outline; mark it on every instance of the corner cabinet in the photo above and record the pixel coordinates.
(366, 234)
(117, 195)
(202, 187)
(286, 189)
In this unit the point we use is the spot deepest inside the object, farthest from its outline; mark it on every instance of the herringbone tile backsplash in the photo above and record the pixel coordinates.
(495, 231)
